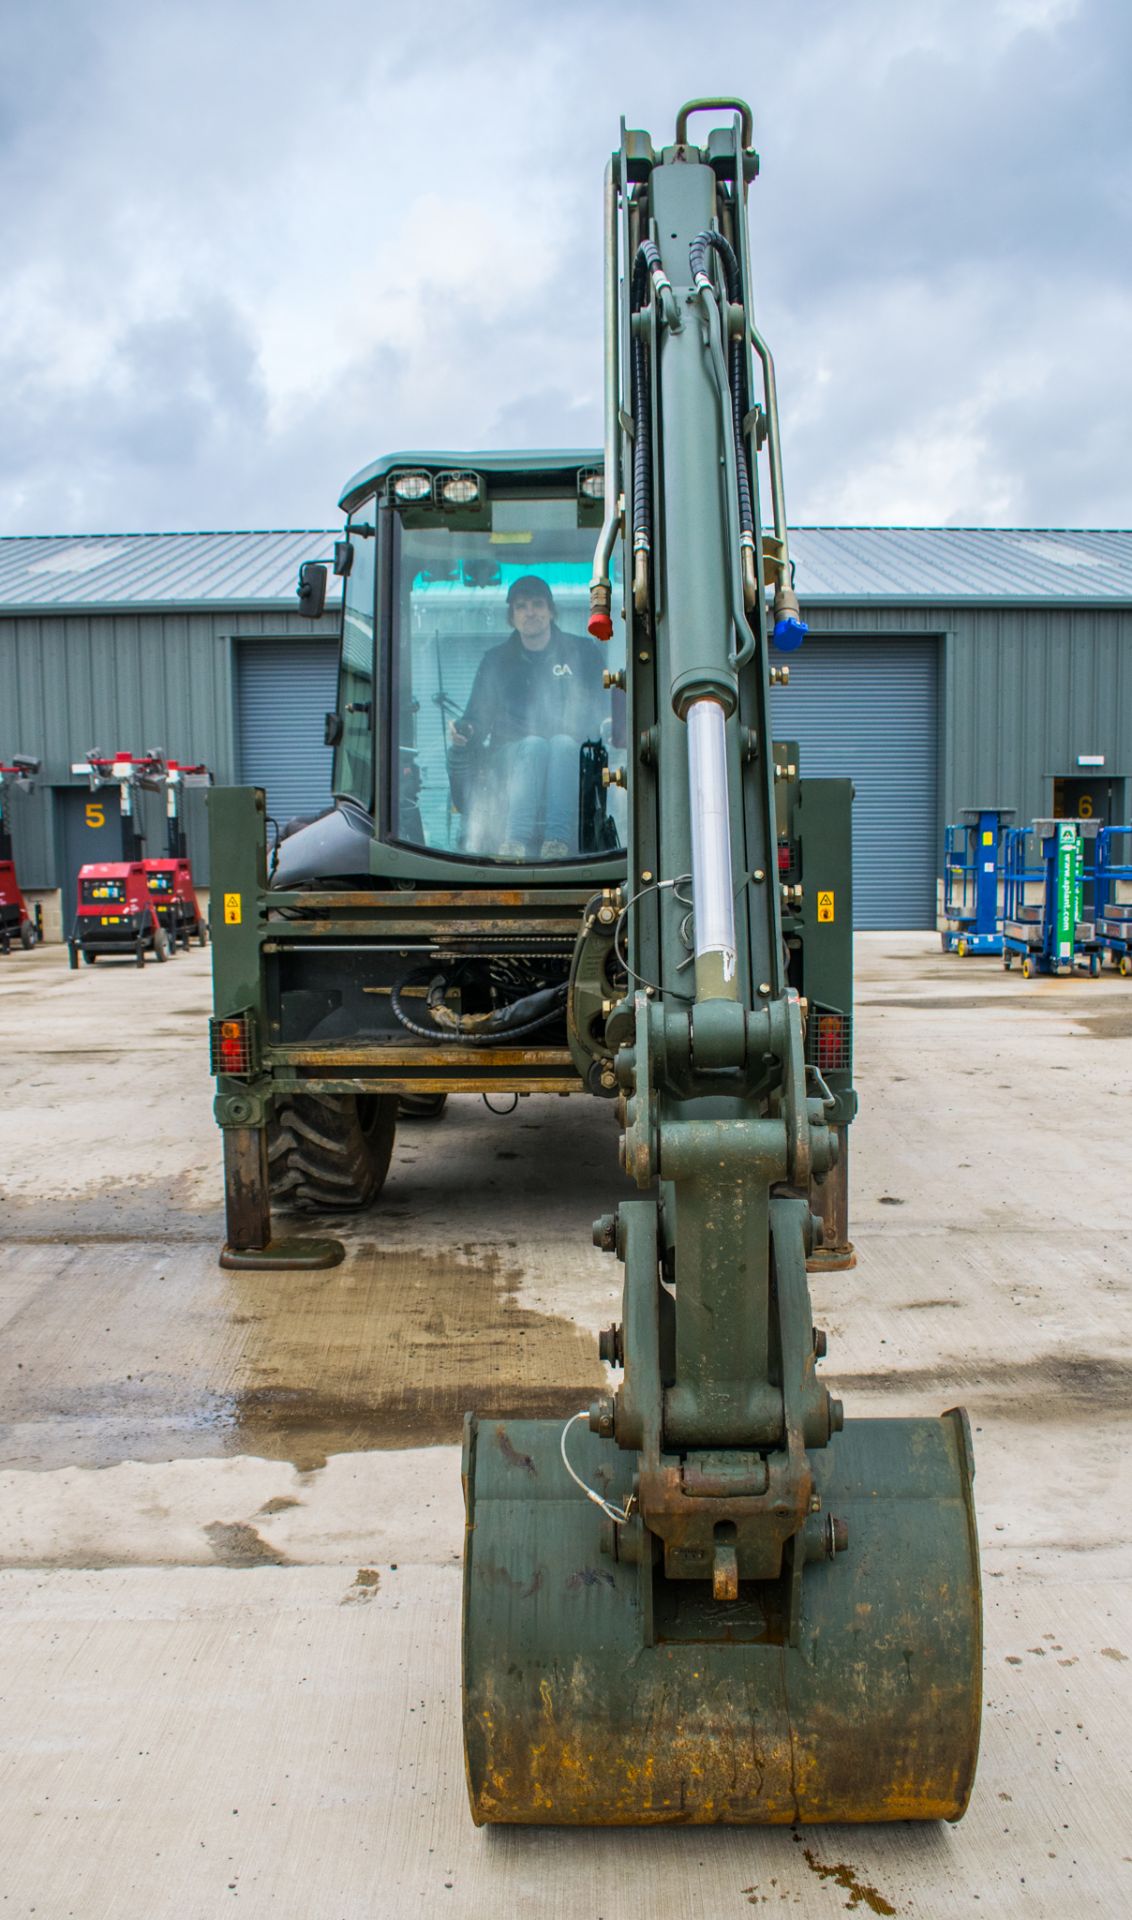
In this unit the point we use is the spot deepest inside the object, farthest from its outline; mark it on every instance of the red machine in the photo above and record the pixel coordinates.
(115, 913)
(16, 923)
(170, 880)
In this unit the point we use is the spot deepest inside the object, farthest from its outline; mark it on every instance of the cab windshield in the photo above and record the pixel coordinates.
(502, 727)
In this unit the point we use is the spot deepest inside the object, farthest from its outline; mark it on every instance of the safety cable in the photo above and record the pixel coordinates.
(619, 1515)
(654, 886)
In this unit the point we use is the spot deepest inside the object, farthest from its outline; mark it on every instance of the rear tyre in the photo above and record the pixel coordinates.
(160, 944)
(88, 958)
(1027, 969)
(1125, 966)
(1094, 965)
(422, 1106)
(962, 949)
(330, 1152)
(27, 935)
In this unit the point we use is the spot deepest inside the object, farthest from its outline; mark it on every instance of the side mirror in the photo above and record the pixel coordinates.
(343, 558)
(332, 729)
(312, 589)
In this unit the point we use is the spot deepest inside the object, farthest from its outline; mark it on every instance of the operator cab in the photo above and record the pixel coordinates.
(468, 728)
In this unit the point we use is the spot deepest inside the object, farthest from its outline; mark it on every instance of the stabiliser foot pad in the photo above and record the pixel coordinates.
(590, 1700)
(298, 1254)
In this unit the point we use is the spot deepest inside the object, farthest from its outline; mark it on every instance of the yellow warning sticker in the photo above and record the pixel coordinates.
(825, 906)
(233, 909)
(988, 839)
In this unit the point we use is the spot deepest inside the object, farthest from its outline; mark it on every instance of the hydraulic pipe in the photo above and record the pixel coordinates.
(790, 628)
(601, 592)
(713, 899)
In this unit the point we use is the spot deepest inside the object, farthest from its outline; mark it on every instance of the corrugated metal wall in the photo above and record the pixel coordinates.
(129, 681)
(866, 710)
(1024, 691)
(285, 688)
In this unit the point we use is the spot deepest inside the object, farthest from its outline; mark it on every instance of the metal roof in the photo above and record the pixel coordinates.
(897, 564)
(835, 565)
(210, 570)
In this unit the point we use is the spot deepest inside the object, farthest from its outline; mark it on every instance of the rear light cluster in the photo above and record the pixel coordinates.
(230, 1045)
(829, 1040)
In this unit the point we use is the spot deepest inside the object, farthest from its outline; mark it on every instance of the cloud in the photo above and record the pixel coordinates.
(244, 255)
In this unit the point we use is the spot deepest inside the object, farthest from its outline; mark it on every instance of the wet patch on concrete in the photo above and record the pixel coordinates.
(364, 1589)
(236, 1544)
(1054, 1388)
(111, 1211)
(147, 1359)
(1112, 1023)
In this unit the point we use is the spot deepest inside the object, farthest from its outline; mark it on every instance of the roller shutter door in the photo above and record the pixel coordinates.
(868, 709)
(285, 689)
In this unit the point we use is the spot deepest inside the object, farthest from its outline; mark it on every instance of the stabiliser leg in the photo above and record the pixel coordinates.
(834, 1253)
(247, 1210)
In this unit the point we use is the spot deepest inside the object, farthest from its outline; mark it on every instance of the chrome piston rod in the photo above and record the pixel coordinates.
(713, 899)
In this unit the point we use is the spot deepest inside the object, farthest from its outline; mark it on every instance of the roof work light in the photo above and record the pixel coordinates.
(459, 489)
(411, 488)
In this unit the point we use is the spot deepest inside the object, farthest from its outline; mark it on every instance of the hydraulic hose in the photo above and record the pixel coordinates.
(648, 259)
(733, 283)
(522, 1016)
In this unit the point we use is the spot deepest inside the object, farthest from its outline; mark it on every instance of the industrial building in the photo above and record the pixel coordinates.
(946, 668)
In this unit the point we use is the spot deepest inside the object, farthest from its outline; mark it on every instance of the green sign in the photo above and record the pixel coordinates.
(1068, 878)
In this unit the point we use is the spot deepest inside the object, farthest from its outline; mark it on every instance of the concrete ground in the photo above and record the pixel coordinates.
(230, 1517)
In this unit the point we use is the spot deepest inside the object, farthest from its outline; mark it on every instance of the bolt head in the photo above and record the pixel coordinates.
(605, 1232)
(601, 1416)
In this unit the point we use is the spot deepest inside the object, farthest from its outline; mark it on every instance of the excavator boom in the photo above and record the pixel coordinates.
(709, 1598)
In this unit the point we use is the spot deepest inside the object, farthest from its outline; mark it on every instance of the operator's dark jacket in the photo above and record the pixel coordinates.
(519, 692)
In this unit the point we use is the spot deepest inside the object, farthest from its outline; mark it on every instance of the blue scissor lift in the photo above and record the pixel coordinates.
(1112, 895)
(1042, 913)
(972, 868)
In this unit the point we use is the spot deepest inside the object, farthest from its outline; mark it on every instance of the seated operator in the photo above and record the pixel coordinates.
(536, 697)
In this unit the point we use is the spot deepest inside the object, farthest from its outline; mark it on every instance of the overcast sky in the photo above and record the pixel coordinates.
(250, 245)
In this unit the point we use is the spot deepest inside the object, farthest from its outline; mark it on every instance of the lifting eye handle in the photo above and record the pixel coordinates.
(746, 120)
